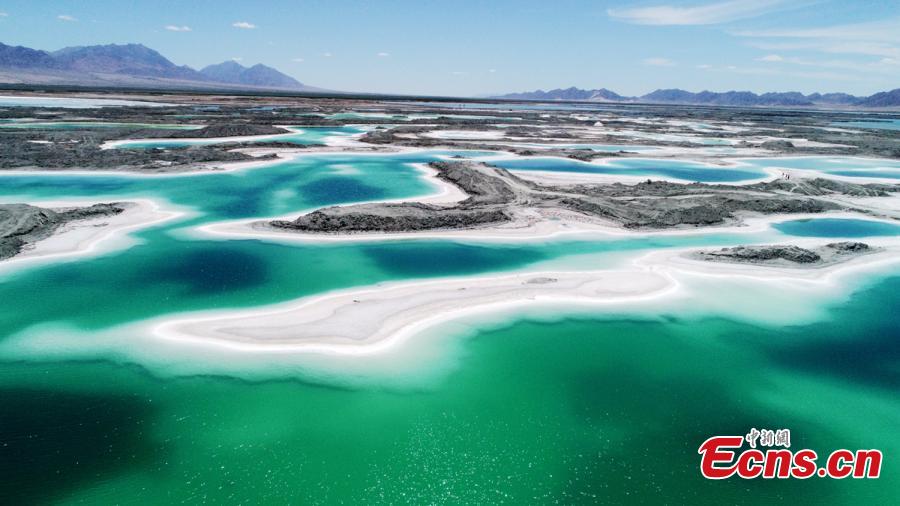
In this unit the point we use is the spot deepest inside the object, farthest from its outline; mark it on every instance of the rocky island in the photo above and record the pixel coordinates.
(22, 225)
(787, 255)
(497, 196)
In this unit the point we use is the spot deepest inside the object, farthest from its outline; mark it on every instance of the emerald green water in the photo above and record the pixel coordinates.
(603, 408)
(577, 411)
(308, 181)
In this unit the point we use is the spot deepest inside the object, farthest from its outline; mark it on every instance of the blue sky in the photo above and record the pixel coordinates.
(469, 47)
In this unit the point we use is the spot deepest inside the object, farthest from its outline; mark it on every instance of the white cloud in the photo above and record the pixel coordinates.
(876, 30)
(709, 14)
(659, 62)
(326, 54)
(237, 59)
(176, 28)
(459, 73)
(492, 71)
(243, 25)
(297, 60)
(771, 58)
(4, 15)
(66, 17)
(704, 66)
(383, 54)
(877, 38)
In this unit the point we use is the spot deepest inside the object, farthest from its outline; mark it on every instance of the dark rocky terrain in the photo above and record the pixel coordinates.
(779, 131)
(489, 196)
(498, 196)
(87, 154)
(83, 148)
(794, 131)
(787, 254)
(23, 224)
(212, 131)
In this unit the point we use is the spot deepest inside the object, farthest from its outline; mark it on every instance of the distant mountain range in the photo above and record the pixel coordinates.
(732, 98)
(133, 65)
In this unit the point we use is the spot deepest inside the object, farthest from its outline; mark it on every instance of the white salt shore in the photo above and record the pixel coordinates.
(379, 319)
(392, 333)
(202, 140)
(373, 319)
(90, 236)
(542, 224)
(533, 226)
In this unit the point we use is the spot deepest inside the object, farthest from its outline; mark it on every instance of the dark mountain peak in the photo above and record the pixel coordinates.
(740, 98)
(262, 75)
(133, 52)
(228, 71)
(108, 48)
(883, 99)
(24, 57)
(733, 97)
(130, 59)
(258, 75)
(225, 65)
(570, 93)
(670, 95)
(834, 98)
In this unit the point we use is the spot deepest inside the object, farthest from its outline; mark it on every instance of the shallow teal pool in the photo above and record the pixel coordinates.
(850, 166)
(608, 407)
(837, 227)
(880, 124)
(640, 167)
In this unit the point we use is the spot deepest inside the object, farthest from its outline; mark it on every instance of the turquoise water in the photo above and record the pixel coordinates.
(414, 116)
(886, 124)
(684, 170)
(837, 227)
(746, 170)
(608, 407)
(836, 165)
(306, 182)
(179, 273)
(605, 410)
(308, 136)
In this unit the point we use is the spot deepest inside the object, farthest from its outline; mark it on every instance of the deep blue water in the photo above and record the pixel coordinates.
(837, 227)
